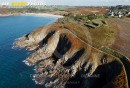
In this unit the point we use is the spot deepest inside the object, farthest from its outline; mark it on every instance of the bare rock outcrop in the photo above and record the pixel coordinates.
(62, 60)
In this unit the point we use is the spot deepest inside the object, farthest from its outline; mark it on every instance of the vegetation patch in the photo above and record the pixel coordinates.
(95, 23)
(98, 30)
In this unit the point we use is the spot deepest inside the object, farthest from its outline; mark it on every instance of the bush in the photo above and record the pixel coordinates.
(92, 16)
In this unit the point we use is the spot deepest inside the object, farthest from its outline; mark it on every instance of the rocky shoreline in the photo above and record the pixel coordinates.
(60, 57)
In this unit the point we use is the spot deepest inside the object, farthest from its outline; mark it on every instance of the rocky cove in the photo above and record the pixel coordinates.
(60, 59)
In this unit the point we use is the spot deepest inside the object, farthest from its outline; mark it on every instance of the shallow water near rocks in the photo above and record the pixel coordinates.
(13, 72)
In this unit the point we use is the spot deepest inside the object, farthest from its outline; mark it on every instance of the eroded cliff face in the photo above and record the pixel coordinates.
(61, 59)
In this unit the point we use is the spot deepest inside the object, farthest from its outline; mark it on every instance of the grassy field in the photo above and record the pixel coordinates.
(97, 30)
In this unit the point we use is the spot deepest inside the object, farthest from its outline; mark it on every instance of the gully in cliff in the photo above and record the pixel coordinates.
(61, 59)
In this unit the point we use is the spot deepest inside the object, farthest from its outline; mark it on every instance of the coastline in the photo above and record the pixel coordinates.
(6, 15)
(33, 14)
(42, 15)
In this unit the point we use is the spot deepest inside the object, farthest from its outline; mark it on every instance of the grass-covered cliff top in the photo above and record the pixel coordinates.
(92, 28)
(73, 47)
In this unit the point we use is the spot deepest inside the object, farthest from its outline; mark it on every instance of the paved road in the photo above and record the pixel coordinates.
(122, 43)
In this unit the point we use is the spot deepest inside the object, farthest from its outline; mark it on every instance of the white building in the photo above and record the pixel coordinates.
(112, 14)
(120, 14)
(128, 13)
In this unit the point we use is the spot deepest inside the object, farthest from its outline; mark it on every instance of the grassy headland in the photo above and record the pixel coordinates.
(79, 38)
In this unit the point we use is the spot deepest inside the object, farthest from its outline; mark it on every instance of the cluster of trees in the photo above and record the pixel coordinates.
(87, 17)
(121, 8)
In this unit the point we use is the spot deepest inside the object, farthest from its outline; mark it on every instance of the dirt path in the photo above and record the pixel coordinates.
(122, 43)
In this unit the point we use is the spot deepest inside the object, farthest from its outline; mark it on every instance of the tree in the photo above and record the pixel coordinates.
(92, 16)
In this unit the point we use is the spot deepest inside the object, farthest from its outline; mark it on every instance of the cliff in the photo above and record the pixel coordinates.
(65, 57)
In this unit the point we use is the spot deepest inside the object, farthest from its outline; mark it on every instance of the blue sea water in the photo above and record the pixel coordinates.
(13, 72)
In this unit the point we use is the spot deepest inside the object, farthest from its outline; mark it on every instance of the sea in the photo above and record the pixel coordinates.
(13, 72)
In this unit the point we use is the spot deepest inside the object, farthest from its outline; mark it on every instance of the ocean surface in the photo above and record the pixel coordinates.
(13, 72)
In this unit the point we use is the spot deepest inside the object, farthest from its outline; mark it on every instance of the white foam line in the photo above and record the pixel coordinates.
(26, 62)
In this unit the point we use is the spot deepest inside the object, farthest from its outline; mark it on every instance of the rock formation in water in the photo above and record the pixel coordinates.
(63, 60)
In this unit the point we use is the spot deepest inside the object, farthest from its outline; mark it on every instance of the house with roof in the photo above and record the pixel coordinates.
(127, 14)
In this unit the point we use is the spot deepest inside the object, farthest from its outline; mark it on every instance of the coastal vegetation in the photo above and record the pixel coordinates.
(101, 32)
(74, 46)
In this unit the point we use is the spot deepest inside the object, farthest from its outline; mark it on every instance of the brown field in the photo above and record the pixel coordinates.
(3, 11)
(122, 43)
(88, 10)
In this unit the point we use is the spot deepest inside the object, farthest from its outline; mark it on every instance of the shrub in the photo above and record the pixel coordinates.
(92, 16)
